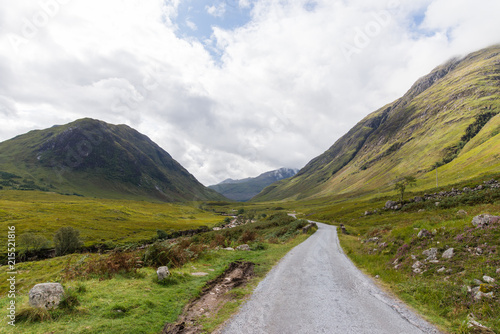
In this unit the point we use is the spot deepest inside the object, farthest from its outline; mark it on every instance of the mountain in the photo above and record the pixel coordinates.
(93, 158)
(245, 189)
(448, 119)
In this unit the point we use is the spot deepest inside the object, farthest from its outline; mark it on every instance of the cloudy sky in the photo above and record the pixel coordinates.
(230, 88)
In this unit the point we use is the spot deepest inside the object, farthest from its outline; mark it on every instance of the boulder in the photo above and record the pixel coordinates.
(46, 295)
(442, 269)
(462, 213)
(390, 204)
(243, 247)
(448, 254)
(162, 273)
(431, 254)
(485, 220)
(488, 279)
(418, 199)
(228, 249)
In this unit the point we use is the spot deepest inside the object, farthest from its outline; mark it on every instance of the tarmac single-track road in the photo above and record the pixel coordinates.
(315, 288)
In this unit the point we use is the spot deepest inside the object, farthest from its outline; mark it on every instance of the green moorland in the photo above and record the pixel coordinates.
(442, 292)
(118, 292)
(100, 221)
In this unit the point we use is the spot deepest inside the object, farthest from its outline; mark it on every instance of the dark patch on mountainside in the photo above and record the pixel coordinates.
(93, 158)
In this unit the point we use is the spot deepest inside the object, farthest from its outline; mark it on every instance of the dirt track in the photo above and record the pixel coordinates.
(317, 289)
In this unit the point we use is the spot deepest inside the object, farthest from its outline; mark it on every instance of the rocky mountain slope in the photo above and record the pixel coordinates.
(448, 119)
(93, 158)
(245, 189)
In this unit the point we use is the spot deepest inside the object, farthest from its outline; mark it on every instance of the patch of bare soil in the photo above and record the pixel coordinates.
(212, 298)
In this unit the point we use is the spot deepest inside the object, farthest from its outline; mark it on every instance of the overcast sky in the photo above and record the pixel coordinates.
(230, 88)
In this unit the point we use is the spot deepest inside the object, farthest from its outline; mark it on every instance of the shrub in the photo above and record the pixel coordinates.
(172, 254)
(161, 234)
(32, 242)
(103, 267)
(248, 236)
(67, 240)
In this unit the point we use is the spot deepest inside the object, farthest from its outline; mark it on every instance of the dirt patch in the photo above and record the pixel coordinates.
(212, 298)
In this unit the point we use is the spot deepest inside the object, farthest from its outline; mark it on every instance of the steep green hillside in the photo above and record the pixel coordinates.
(448, 119)
(93, 158)
(244, 190)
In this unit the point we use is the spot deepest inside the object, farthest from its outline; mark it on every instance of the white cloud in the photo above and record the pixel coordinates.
(282, 92)
(216, 10)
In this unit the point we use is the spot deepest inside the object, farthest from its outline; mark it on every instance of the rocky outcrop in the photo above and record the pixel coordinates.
(46, 295)
(484, 220)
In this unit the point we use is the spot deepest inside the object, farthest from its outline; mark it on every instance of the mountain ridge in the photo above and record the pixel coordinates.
(245, 189)
(94, 158)
(401, 137)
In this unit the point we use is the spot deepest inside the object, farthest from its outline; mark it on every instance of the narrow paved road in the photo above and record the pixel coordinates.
(316, 289)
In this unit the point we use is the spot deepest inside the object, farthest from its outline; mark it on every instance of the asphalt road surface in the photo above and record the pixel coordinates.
(315, 288)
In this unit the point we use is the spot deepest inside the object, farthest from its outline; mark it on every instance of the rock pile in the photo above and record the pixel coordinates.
(392, 205)
(235, 222)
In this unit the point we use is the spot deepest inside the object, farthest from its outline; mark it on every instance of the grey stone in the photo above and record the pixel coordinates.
(448, 254)
(479, 295)
(431, 254)
(417, 267)
(162, 273)
(390, 204)
(498, 271)
(228, 249)
(477, 282)
(442, 269)
(484, 220)
(46, 295)
(424, 233)
(418, 199)
(462, 213)
(488, 279)
(243, 247)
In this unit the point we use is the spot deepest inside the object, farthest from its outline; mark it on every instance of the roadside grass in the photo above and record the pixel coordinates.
(100, 221)
(135, 302)
(442, 292)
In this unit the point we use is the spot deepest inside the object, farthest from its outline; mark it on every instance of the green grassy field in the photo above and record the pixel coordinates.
(98, 220)
(134, 301)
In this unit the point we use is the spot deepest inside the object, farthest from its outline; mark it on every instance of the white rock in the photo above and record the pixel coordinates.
(162, 273)
(431, 254)
(488, 279)
(46, 295)
(448, 254)
(440, 270)
(228, 249)
(243, 247)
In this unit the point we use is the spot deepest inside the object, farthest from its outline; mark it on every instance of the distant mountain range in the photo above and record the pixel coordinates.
(244, 189)
(448, 120)
(93, 158)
